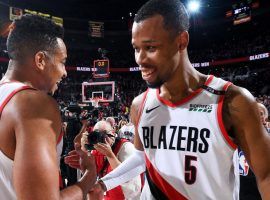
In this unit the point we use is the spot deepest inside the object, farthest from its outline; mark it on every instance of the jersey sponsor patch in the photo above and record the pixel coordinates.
(200, 108)
(243, 165)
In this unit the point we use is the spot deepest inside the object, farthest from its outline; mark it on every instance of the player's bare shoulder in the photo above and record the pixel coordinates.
(237, 98)
(239, 104)
(32, 103)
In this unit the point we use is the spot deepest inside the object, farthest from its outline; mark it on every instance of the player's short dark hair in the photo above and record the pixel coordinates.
(174, 13)
(30, 34)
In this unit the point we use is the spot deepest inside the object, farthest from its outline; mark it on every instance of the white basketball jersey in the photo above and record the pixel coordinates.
(127, 132)
(7, 191)
(188, 152)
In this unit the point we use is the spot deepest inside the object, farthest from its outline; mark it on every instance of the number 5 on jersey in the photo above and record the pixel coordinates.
(190, 169)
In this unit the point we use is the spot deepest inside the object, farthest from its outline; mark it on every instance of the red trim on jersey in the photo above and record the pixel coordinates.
(186, 99)
(60, 136)
(220, 118)
(141, 108)
(12, 94)
(161, 183)
(61, 183)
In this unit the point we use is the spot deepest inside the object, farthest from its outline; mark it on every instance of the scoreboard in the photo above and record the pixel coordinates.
(242, 12)
(101, 68)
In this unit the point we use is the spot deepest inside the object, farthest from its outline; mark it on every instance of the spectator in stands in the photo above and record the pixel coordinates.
(122, 122)
(111, 121)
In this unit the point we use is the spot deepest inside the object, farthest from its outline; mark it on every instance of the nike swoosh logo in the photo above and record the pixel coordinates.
(150, 110)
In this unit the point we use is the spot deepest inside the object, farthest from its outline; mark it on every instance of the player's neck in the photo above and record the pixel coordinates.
(186, 82)
(18, 72)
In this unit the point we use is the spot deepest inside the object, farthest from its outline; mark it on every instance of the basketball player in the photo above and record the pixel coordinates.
(188, 125)
(30, 123)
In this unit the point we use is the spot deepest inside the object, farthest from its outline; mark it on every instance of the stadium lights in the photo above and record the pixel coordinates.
(193, 6)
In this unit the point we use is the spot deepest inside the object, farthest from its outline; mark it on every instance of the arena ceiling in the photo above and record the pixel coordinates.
(108, 9)
(115, 13)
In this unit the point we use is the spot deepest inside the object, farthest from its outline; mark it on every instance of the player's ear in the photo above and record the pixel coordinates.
(39, 60)
(183, 40)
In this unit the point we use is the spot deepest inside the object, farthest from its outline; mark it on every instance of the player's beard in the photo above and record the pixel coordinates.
(154, 85)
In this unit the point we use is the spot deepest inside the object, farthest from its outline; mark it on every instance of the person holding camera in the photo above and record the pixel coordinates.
(109, 152)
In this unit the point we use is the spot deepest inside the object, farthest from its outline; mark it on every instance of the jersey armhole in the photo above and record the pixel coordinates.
(141, 108)
(220, 118)
(60, 136)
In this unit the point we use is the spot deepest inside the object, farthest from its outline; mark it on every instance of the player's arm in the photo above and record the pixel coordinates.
(242, 118)
(37, 124)
(131, 188)
(135, 164)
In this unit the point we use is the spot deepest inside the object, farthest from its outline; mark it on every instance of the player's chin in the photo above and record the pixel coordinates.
(155, 84)
(53, 90)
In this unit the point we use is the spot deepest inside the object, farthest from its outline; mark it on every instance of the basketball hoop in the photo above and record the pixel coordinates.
(95, 102)
(102, 90)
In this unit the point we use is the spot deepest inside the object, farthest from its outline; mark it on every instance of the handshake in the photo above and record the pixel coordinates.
(95, 140)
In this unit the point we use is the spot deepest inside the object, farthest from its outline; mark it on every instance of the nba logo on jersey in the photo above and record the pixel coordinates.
(243, 165)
